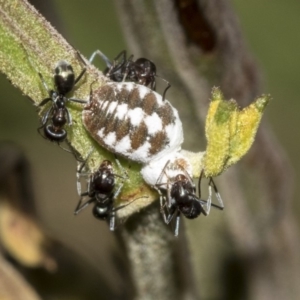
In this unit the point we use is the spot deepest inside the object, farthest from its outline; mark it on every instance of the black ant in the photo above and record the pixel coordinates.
(141, 71)
(101, 185)
(181, 198)
(58, 115)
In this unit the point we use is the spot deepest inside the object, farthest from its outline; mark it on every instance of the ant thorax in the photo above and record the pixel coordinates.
(133, 121)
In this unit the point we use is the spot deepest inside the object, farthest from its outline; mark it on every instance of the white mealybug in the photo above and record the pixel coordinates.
(133, 121)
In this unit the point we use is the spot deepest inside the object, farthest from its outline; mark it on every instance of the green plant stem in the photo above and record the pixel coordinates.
(29, 44)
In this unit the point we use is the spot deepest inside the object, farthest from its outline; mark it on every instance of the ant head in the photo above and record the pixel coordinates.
(106, 164)
(104, 179)
(146, 71)
(146, 65)
(182, 190)
(181, 178)
(192, 207)
(64, 78)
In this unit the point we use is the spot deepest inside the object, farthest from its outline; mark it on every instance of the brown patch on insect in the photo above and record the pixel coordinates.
(122, 96)
(117, 124)
(89, 120)
(158, 141)
(166, 114)
(99, 99)
(134, 99)
(109, 127)
(181, 163)
(123, 129)
(138, 136)
(106, 92)
(149, 104)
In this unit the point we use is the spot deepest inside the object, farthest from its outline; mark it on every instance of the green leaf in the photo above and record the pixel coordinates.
(230, 132)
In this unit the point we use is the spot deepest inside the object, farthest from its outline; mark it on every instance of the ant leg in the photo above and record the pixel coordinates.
(103, 56)
(80, 58)
(125, 174)
(199, 183)
(91, 93)
(165, 91)
(43, 102)
(122, 54)
(83, 70)
(84, 163)
(159, 183)
(177, 223)
(80, 75)
(46, 116)
(204, 202)
(80, 174)
(124, 205)
(65, 149)
(39, 130)
(77, 100)
(163, 208)
(208, 203)
(168, 214)
(163, 172)
(112, 221)
(44, 83)
(167, 211)
(81, 206)
(116, 194)
(218, 195)
(69, 117)
(128, 63)
(153, 86)
(78, 183)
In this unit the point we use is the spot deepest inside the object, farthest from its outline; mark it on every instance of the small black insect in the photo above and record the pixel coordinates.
(180, 198)
(58, 115)
(141, 71)
(101, 191)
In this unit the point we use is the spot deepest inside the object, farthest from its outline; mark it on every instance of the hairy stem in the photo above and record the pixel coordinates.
(198, 44)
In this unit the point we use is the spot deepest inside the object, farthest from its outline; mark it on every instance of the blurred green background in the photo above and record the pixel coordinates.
(271, 30)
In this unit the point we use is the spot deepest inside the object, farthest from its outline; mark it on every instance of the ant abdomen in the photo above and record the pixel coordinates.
(54, 134)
